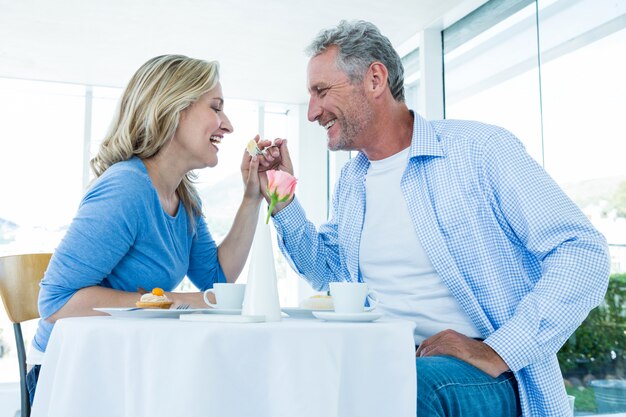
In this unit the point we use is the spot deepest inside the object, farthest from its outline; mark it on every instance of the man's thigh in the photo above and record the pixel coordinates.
(447, 386)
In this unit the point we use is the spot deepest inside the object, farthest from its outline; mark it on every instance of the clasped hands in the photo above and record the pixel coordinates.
(474, 352)
(275, 157)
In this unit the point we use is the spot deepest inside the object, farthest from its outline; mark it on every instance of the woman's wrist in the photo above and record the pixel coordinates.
(253, 202)
(194, 299)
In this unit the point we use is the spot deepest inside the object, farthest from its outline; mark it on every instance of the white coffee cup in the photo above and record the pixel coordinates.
(349, 297)
(227, 296)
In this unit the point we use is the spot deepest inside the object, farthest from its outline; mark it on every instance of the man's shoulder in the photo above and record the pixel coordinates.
(473, 136)
(466, 128)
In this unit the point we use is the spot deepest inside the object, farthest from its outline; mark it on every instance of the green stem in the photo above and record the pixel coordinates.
(269, 210)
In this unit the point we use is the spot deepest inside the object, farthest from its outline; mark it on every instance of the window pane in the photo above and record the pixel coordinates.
(411, 92)
(583, 50)
(42, 127)
(104, 104)
(411, 63)
(491, 72)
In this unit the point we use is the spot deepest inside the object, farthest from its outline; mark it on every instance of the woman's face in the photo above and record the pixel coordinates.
(201, 128)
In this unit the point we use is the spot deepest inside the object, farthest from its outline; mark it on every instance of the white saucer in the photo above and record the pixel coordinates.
(149, 313)
(353, 317)
(299, 313)
(159, 313)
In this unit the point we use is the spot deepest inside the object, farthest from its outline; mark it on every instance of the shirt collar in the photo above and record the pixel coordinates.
(424, 142)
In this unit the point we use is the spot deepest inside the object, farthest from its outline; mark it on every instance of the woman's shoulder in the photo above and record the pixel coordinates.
(134, 166)
(121, 180)
(131, 173)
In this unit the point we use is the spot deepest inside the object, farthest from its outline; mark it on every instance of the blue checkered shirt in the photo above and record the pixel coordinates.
(521, 258)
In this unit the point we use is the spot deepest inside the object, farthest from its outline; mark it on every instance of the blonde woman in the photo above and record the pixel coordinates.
(140, 224)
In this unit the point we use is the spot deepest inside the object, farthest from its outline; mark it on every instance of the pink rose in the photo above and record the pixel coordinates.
(280, 187)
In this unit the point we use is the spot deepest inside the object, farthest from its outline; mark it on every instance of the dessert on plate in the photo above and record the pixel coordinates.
(154, 299)
(318, 302)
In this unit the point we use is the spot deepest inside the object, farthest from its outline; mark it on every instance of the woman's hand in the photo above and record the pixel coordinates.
(250, 174)
(276, 157)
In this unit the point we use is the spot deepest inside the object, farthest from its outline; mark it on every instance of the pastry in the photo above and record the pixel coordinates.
(154, 299)
(318, 302)
(252, 148)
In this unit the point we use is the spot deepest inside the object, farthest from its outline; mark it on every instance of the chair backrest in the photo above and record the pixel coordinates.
(19, 284)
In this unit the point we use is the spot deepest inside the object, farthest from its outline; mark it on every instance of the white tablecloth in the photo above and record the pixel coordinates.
(109, 367)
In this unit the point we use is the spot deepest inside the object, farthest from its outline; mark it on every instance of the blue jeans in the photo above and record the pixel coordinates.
(449, 387)
(31, 381)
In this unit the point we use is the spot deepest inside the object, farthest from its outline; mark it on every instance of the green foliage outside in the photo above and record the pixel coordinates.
(597, 349)
(585, 399)
(597, 346)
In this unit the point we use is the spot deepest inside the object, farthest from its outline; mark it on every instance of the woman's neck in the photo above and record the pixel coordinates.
(165, 182)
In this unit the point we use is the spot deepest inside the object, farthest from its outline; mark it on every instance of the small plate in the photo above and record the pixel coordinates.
(149, 313)
(300, 313)
(352, 317)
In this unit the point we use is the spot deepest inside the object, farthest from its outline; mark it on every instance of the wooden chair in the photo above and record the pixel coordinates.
(19, 288)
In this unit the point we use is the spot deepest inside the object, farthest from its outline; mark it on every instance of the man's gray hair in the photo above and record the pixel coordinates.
(359, 44)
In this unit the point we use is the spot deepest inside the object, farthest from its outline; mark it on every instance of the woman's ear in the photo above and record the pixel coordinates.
(377, 78)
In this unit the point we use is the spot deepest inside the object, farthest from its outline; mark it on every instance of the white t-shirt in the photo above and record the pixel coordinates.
(394, 263)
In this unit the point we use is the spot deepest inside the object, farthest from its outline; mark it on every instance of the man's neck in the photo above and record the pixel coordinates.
(391, 132)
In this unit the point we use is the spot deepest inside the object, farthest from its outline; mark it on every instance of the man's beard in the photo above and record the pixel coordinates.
(352, 122)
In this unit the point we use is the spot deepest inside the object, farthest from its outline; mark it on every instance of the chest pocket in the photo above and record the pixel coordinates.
(457, 210)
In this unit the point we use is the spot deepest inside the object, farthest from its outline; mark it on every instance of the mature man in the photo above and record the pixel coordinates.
(455, 226)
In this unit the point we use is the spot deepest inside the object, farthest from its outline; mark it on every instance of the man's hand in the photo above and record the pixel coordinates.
(281, 162)
(474, 352)
(275, 157)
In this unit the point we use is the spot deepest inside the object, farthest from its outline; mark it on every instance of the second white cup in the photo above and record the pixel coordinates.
(349, 297)
(227, 296)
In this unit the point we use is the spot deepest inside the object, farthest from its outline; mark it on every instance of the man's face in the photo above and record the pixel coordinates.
(336, 104)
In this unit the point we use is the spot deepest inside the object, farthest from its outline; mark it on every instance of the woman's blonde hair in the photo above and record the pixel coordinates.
(149, 112)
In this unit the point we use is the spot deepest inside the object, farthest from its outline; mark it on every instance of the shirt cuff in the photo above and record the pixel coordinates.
(516, 346)
(289, 217)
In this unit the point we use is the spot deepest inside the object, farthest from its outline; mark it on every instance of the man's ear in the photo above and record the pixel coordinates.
(377, 78)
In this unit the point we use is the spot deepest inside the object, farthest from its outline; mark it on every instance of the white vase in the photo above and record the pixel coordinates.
(261, 297)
